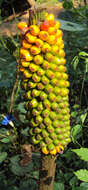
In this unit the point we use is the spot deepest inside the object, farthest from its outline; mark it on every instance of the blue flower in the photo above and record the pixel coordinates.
(7, 119)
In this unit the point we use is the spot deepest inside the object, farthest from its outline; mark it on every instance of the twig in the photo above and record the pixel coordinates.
(13, 92)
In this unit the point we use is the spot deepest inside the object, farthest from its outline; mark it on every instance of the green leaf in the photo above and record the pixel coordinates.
(25, 131)
(21, 107)
(83, 53)
(36, 174)
(13, 188)
(84, 185)
(82, 153)
(3, 156)
(6, 140)
(71, 26)
(68, 5)
(58, 186)
(76, 132)
(86, 66)
(75, 62)
(73, 181)
(83, 117)
(74, 114)
(28, 185)
(17, 169)
(82, 175)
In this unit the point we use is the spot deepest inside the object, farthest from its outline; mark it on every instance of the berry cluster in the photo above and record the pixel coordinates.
(45, 81)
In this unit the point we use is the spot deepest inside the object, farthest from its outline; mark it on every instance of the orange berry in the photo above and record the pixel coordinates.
(23, 26)
(25, 54)
(39, 43)
(45, 151)
(30, 38)
(44, 26)
(25, 44)
(43, 35)
(35, 50)
(34, 30)
(21, 69)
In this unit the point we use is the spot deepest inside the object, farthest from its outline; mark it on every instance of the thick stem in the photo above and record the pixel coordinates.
(47, 172)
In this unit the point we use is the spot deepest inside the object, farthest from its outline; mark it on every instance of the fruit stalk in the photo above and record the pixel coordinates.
(47, 172)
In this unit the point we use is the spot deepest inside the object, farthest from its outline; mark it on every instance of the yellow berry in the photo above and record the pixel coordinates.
(25, 54)
(45, 151)
(43, 35)
(34, 30)
(25, 44)
(35, 50)
(53, 152)
(30, 38)
(24, 63)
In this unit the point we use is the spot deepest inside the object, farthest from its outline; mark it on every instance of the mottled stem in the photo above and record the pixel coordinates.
(47, 172)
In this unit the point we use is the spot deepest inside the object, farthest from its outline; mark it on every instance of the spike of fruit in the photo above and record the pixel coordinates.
(43, 70)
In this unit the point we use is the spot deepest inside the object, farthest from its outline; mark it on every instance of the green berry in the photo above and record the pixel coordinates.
(33, 103)
(43, 95)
